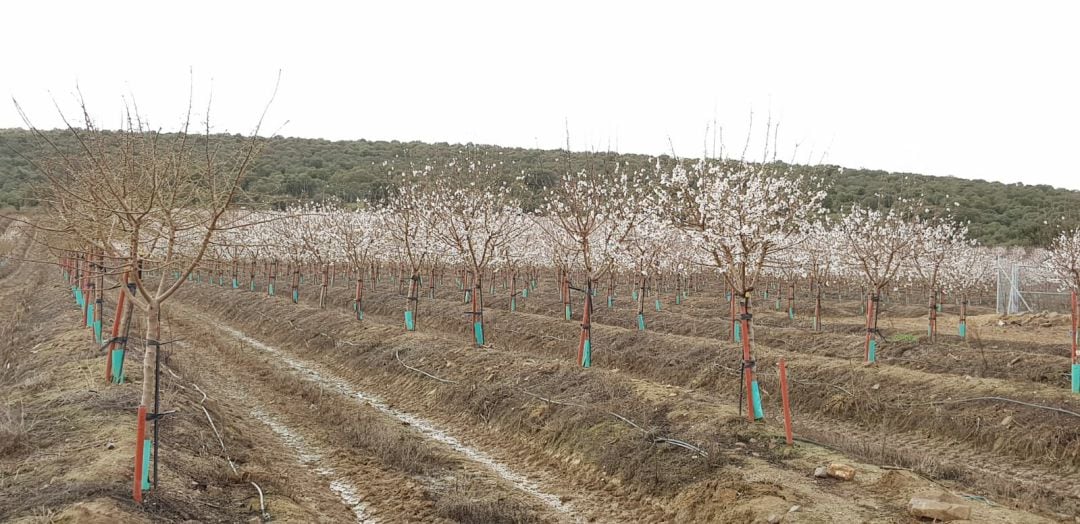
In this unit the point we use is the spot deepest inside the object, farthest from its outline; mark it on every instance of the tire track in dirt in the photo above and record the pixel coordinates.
(426, 428)
(390, 493)
(310, 454)
(307, 453)
(17, 262)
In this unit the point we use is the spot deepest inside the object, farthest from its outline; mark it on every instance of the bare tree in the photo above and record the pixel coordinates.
(150, 201)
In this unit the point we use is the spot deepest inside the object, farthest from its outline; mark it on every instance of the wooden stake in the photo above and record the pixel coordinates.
(787, 403)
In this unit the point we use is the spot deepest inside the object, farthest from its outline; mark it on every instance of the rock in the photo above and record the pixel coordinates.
(775, 519)
(821, 472)
(110, 445)
(794, 508)
(929, 508)
(841, 471)
(1007, 421)
(875, 387)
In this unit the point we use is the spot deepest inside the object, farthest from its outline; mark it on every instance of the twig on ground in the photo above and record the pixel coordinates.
(422, 372)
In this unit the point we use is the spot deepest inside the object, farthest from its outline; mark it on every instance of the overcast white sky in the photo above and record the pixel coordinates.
(972, 89)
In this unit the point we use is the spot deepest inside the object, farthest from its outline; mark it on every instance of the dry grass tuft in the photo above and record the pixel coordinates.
(14, 430)
(466, 501)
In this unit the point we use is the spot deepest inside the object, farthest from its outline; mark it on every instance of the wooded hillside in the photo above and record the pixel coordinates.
(297, 168)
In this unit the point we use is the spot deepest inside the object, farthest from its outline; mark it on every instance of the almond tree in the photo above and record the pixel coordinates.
(589, 212)
(151, 200)
(1063, 260)
(789, 268)
(317, 241)
(406, 225)
(641, 250)
(473, 217)
(743, 216)
(970, 269)
(875, 245)
(525, 248)
(819, 256)
(288, 232)
(936, 242)
(362, 235)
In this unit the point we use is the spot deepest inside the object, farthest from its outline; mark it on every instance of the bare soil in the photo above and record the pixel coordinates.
(343, 420)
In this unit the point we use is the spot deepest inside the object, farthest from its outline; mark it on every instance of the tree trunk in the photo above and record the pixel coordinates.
(296, 284)
(413, 301)
(513, 290)
(358, 305)
(817, 311)
(478, 307)
(872, 301)
(735, 327)
(931, 327)
(641, 305)
(963, 317)
(153, 332)
(322, 286)
(748, 367)
(585, 341)
(567, 311)
(791, 301)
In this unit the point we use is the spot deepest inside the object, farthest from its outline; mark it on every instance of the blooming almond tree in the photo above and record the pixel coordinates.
(524, 248)
(474, 218)
(819, 256)
(1063, 260)
(317, 242)
(407, 228)
(743, 216)
(589, 212)
(291, 247)
(936, 242)
(875, 245)
(641, 250)
(361, 233)
(970, 269)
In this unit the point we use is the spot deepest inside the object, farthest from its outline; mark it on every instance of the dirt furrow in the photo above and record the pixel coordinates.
(310, 454)
(288, 319)
(426, 428)
(383, 460)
